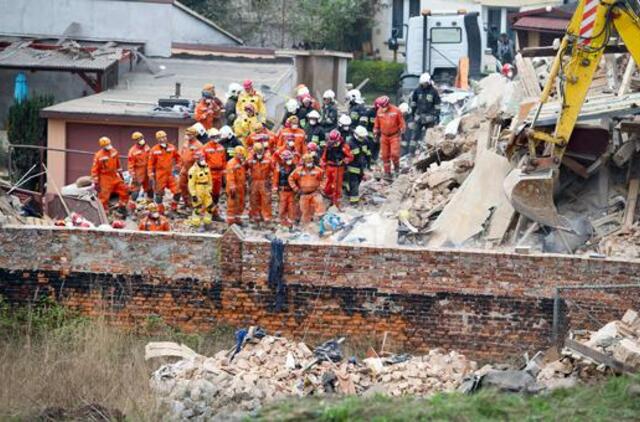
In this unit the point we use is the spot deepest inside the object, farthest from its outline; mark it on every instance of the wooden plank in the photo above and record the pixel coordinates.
(575, 167)
(598, 357)
(632, 199)
(626, 77)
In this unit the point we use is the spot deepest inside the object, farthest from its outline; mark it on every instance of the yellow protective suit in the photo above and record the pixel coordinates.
(258, 103)
(200, 186)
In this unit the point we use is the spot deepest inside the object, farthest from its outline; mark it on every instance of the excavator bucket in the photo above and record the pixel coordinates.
(531, 194)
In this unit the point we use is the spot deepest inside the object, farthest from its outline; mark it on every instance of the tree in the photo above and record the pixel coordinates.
(25, 126)
(334, 24)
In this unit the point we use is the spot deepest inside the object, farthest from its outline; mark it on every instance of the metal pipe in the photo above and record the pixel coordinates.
(424, 43)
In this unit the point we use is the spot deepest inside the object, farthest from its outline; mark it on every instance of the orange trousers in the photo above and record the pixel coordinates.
(287, 207)
(216, 188)
(390, 152)
(333, 188)
(235, 206)
(259, 201)
(110, 185)
(311, 206)
(166, 182)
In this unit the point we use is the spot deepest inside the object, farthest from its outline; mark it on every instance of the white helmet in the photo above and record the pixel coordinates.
(344, 120)
(313, 114)
(292, 105)
(404, 108)
(213, 133)
(200, 129)
(226, 132)
(234, 90)
(425, 78)
(302, 90)
(360, 132)
(329, 94)
(355, 95)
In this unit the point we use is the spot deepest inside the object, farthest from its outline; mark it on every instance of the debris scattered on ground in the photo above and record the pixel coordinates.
(271, 368)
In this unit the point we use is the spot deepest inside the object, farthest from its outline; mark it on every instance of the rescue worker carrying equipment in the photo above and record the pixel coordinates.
(229, 141)
(287, 207)
(107, 175)
(188, 151)
(292, 129)
(230, 113)
(389, 127)
(200, 185)
(335, 157)
(250, 96)
(306, 181)
(163, 160)
(216, 158)
(154, 221)
(329, 114)
(357, 110)
(137, 160)
(260, 167)
(425, 106)
(209, 108)
(236, 179)
(315, 133)
(359, 145)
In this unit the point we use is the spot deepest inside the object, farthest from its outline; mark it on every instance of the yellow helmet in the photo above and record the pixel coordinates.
(258, 147)
(191, 131)
(240, 151)
(136, 136)
(152, 207)
(104, 141)
(307, 158)
(161, 134)
(256, 126)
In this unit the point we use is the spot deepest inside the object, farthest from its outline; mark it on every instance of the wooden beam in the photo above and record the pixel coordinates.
(632, 199)
(94, 84)
(598, 357)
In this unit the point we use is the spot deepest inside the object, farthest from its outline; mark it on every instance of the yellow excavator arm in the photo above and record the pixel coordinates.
(588, 33)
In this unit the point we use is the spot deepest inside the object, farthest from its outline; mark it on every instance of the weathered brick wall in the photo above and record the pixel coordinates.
(488, 305)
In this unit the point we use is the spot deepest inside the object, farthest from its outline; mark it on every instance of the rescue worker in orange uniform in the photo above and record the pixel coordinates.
(164, 159)
(106, 173)
(137, 161)
(389, 126)
(250, 96)
(287, 207)
(336, 156)
(307, 180)
(216, 157)
(289, 145)
(292, 128)
(188, 152)
(236, 179)
(154, 221)
(209, 110)
(260, 169)
(259, 133)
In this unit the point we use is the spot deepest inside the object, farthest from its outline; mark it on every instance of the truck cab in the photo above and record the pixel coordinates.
(436, 42)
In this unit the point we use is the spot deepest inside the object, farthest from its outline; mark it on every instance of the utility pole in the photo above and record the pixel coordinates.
(284, 17)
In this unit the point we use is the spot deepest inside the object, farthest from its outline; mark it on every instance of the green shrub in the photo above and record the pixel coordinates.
(383, 76)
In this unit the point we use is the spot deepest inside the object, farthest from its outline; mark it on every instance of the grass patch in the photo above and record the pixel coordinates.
(617, 399)
(51, 358)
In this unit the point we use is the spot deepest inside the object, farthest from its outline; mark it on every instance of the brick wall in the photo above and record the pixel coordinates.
(487, 305)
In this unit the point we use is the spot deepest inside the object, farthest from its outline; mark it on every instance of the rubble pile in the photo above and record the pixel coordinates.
(622, 244)
(271, 368)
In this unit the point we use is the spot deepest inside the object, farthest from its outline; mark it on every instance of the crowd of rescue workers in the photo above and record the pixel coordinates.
(317, 152)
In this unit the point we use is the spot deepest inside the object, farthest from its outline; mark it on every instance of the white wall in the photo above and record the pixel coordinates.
(118, 20)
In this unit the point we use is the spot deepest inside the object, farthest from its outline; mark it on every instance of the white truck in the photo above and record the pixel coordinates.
(436, 42)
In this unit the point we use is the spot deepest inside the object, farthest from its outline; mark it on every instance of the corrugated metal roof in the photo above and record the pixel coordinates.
(24, 57)
(541, 24)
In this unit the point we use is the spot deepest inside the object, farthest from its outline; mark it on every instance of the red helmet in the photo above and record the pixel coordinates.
(305, 99)
(118, 224)
(247, 84)
(335, 137)
(382, 101)
(507, 70)
(312, 147)
(287, 155)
